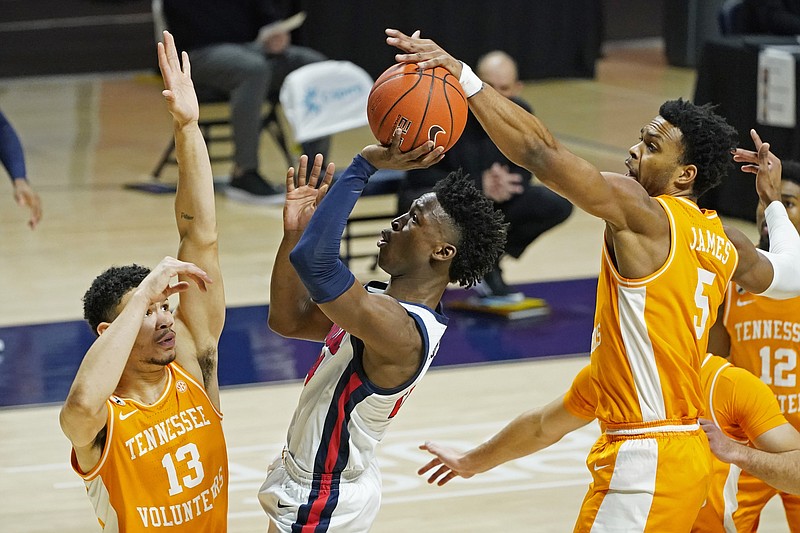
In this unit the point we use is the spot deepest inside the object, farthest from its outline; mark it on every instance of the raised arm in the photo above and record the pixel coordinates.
(200, 315)
(775, 273)
(371, 317)
(292, 312)
(84, 413)
(525, 140)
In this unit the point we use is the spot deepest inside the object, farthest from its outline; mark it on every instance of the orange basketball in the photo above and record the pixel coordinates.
(425, 104)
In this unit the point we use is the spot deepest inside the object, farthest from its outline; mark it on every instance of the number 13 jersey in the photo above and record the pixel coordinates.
(164, 466)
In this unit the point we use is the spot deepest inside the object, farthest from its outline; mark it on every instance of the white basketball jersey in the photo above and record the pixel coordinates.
(341, 415)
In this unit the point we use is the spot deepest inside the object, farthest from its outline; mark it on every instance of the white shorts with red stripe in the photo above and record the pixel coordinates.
(317, 503)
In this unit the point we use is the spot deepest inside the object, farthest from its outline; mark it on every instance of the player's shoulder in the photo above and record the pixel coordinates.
(744, 381)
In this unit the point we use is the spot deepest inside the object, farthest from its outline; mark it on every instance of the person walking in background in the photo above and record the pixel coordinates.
(13, 159)
(529, 209)
(143, 412)
(229, 56)
(666, 264)
(762, 335)
(379, 339)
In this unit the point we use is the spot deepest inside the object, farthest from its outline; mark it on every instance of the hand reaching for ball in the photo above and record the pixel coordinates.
(393, 158)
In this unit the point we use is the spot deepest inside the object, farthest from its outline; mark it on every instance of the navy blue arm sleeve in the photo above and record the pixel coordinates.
(315, 258)
(11, 150)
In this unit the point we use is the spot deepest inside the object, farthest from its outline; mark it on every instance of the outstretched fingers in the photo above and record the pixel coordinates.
(290, 186)
(316, 169)
(169, 64)
(424, 52)
(442, 475)
(187, 67)
(426, 154)
(756, 138)
(433, 463)
(302, 169)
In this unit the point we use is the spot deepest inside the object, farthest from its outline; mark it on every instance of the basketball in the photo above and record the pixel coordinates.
(425, 104)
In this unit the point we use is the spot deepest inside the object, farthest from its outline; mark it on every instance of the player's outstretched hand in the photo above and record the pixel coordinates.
(448, 464)
(765, 165)
(156, 286)
(390, 157)
(303, 194)
(178, 87)
(424, 52)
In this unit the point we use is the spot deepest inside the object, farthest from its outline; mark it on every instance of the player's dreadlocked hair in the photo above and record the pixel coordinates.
(707, 141)
(791, 171)
(481, 228)
(101, 300)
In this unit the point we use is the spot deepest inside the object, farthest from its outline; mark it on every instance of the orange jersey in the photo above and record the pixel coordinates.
(164, 466)
(765, 339)
(581, 398)
(744, 409)
(650, 334)
(735, 400)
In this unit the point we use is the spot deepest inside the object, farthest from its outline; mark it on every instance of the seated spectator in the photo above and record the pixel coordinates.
(13, 159)
(776, 17)
(221, 37)
(529, 209)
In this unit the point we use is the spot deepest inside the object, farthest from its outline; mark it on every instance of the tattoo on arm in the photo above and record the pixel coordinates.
(186, 216)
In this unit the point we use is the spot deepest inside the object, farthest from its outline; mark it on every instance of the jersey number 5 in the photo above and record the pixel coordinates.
(704, 277)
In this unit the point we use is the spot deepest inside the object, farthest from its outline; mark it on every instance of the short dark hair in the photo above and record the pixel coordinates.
(481, 227)
(791, 171)
(101, 300)
(707, 140)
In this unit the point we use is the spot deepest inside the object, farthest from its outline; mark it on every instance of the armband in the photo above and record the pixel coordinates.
(469, 81)
(784, 253)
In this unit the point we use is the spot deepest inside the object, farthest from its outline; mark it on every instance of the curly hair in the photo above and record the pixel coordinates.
(481, 228)
(791, 171)
(707, 141)
(102, 298)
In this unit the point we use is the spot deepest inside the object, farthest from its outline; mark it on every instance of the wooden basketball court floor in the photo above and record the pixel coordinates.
(87, 136)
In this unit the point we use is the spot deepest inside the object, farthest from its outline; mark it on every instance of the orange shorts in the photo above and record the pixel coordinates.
(716, 515)
(754, 495)
(654, 482)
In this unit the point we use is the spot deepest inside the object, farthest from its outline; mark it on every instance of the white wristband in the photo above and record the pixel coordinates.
(784, 253)
(469, 81)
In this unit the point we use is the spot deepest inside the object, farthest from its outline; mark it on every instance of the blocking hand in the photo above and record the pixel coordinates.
(424, 52)
(179, 90)
(302, 194)
(765, 165)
